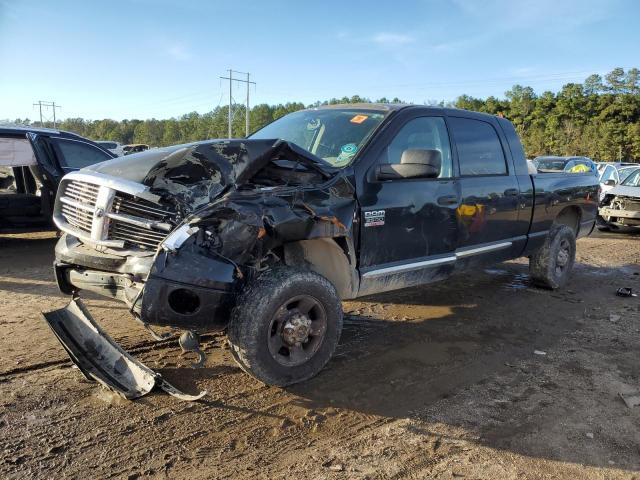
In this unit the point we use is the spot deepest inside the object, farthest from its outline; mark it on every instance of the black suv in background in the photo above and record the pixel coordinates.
(32, 162)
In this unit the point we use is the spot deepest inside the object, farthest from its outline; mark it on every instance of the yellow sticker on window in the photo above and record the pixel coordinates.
(359, 118)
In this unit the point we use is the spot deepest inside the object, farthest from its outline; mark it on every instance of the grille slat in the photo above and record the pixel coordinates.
(83, 197)
(119, 229)
(78, 214)
(134, 238)
(86, 194)
(127, 206)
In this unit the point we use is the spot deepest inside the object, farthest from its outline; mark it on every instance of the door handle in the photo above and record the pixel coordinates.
(447, 200)
(511, 192)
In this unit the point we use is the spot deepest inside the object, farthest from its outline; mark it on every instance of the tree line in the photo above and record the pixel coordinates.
(599, 118)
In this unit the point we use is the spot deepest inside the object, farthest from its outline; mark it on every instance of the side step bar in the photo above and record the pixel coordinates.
(101, 359)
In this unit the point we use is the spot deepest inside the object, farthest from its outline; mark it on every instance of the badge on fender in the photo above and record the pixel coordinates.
(374, 218)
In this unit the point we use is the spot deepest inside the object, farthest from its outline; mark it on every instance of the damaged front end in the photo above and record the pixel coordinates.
(620, 208)
(175, 233)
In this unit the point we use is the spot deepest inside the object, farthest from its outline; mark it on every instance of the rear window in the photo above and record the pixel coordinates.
(479, 148)
(109, 145)
(551, 164)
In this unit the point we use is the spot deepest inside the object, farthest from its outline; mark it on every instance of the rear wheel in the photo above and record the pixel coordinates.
(550, 267)
(285, 326)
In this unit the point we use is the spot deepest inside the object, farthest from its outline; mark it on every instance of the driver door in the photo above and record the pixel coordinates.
(408, 226)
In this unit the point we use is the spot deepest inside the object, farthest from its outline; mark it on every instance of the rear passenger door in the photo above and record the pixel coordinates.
(488, 224)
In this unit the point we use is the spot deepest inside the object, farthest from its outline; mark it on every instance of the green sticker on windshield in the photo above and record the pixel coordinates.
(346, 154)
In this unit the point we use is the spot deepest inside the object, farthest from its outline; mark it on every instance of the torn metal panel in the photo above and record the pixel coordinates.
(99, 358)
(244, 226)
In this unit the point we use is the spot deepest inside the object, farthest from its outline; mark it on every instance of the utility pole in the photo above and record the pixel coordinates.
(230, 99)
(52, 105)
(248, 82)
(247, 113)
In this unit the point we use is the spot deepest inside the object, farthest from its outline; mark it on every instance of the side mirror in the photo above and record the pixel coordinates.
(610, 183)
(414, 163)
(388, 171)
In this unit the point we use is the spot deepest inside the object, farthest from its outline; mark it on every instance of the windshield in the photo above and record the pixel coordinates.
(335, 135)
(633, 180)
(625, 172)
(556, 164)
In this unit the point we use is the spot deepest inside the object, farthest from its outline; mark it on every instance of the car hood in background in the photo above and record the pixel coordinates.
(625, 191)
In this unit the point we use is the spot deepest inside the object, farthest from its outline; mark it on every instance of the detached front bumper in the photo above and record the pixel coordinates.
(188, 289)
(101, 359)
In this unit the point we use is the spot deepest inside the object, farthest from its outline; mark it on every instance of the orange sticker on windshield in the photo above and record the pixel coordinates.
(359, 118)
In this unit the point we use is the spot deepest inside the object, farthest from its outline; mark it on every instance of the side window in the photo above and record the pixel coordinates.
(608, 174)
(75, 155)
(423, 133)
(479, 148)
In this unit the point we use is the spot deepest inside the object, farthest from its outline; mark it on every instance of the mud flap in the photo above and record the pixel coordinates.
(101, 359)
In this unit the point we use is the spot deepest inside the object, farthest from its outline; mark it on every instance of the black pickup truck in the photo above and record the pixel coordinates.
(266, 235)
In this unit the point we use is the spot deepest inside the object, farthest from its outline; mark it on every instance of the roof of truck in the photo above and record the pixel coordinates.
(24, 129)
(387, 107)
(394, 107)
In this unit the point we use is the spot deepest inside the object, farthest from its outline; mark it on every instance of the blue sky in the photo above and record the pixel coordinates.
(162, 58)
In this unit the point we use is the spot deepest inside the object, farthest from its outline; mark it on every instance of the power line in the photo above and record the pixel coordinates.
(248, 83)
(51, 105)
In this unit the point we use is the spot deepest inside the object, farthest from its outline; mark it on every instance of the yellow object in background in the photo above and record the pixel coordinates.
(579, 169)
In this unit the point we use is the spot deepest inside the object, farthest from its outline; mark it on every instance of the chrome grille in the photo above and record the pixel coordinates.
(105, 216)
(83, 195)
(80, 219)
(82, 191)
(126, 204)
(135, 234)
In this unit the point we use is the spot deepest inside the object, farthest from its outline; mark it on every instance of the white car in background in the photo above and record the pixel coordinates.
(620, 207)
(613, 174)
(113, 147)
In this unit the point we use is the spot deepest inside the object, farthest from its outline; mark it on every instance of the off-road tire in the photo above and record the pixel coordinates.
(546, 265)
(251, 323)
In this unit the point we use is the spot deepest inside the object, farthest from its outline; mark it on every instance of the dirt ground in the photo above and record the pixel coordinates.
(441, 381)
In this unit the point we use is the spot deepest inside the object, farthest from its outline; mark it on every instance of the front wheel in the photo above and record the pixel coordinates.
(551, 265)
(285, 326)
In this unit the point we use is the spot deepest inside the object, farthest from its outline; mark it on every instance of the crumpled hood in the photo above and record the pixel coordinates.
(194, 174)
(625, 191)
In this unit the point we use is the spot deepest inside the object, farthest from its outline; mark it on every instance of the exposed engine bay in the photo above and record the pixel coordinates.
(621, 207)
